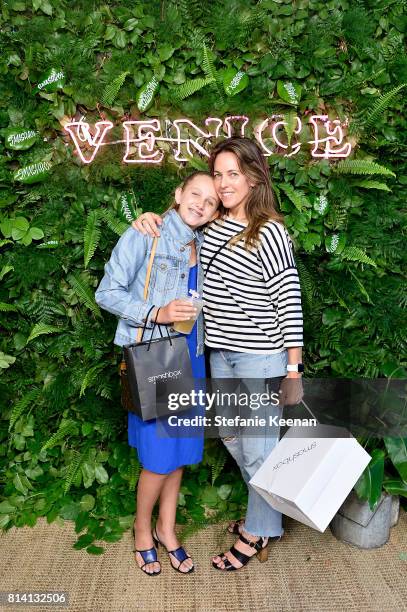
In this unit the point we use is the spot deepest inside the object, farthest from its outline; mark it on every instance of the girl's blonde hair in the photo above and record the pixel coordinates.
(261, 204)
(185, 182)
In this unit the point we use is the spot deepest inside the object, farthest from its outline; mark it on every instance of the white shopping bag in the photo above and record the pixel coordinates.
(310, 472)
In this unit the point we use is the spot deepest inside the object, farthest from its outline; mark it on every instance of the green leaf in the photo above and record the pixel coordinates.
(34, 173)
(359, 166)
(95, 550)
(6, 360)
(87, 502)
(335, 243)
(83, 541)
(369, 485)
(289, 92)
(146, 94)
(234, 81)
(20, 406)
(51, 80)
(127, 208)
(84, 293)
(91, 236)
(7, 508)
(297, 197)
(397, 450)
(36, 233)
(40, 329)
(355, 254)
(224, 491)
(372, 185)
(101, 475)
(112, 89)
(190, 87)
(20, 139)
(395, 486)
(165, 52)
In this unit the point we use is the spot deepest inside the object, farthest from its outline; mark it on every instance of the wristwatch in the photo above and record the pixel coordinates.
(296, 367)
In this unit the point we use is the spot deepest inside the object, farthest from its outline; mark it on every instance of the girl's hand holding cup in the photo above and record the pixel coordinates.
(176, 310)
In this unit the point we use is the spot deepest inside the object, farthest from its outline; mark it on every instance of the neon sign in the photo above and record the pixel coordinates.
(184, 138)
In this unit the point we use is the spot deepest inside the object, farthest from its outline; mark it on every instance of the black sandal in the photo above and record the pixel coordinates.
(179, 554)
(149, 555)
(261, 553)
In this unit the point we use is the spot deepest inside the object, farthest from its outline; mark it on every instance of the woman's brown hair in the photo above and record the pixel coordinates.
(261, 203)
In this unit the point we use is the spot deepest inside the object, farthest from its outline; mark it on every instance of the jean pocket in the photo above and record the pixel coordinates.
(164, 274)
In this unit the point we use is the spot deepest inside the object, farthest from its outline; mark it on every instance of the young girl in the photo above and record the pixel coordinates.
(253, 317)
(175, 270)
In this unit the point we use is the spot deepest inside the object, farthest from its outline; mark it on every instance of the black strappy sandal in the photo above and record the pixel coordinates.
(261, 553)
(149, 555)
(179, 554)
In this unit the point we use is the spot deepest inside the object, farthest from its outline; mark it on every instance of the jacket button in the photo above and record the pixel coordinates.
(182, 275)
(163, 266)
(182, 249)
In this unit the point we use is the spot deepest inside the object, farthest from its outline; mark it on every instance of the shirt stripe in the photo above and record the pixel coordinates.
(252, 298)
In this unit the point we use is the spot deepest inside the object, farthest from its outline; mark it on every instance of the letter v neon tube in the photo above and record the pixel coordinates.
(74, 130)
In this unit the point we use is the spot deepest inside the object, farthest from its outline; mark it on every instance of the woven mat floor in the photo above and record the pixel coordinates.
(308, 571)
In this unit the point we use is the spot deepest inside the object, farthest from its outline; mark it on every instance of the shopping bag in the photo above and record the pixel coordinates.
(310, 472)
(155, 369)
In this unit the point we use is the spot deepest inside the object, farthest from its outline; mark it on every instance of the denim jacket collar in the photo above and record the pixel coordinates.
(179, 231)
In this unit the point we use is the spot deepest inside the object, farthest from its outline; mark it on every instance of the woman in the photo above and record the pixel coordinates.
(174, 272)
(253, 317)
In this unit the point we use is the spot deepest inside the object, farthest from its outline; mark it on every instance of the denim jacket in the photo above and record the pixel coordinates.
(121, 288)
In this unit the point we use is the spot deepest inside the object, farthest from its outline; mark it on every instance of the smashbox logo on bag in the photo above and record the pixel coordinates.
(294, 456)
(165, 376)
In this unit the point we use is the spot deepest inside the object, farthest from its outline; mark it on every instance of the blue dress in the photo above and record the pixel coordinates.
(158, 453)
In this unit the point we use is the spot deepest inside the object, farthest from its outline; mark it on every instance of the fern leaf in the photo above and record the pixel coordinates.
(218, 465)
(91, 235)
(71, 476)
(4, 307)
(374, 112)
(112, 89)
(84, 293)
(360, 166)
(113, 223)
(19, 407)
(297, 197)
(208, 65)
(190, 87)
(372, 185)
(353, 253)
(290, 122)
(42, 328)
(133, 472)
(89, 378)
(65, 429)
(306, 282)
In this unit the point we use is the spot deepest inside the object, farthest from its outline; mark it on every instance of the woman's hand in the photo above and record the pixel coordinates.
(291, 390)
(147, 223)
(176, 310)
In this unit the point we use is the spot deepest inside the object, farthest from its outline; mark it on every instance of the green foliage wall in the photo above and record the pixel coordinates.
(64, 451)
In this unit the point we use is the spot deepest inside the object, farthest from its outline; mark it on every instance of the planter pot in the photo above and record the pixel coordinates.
(395, 510)
(356, 524)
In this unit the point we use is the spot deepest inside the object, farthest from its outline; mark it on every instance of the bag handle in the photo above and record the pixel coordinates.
(220, 248)
(140, 332)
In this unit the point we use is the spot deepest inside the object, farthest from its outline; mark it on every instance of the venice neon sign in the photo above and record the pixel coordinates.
(184, 138)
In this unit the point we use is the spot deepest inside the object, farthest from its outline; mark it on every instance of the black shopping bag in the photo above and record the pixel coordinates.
(155, 369)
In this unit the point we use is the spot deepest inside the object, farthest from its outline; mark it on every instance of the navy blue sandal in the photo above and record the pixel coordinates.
(149, 555)
(179, 554)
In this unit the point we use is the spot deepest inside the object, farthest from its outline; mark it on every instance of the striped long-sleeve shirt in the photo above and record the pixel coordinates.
(252, 298)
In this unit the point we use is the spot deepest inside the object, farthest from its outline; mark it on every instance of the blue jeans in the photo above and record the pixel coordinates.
(250, 452)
